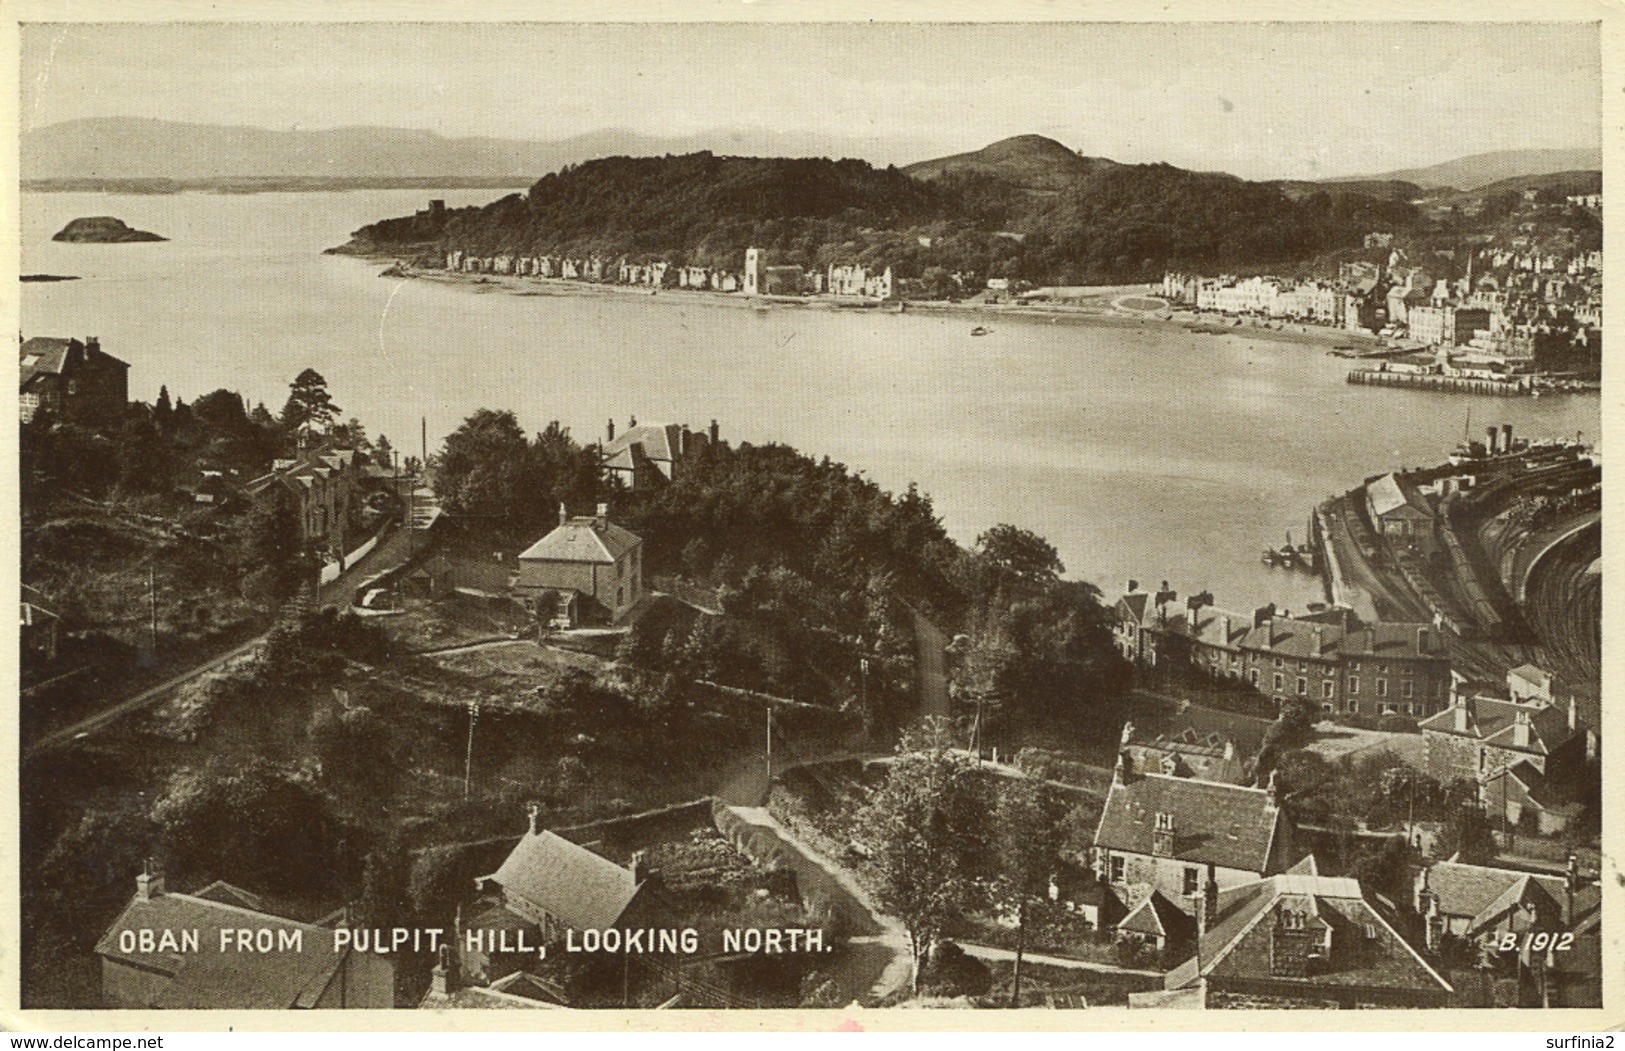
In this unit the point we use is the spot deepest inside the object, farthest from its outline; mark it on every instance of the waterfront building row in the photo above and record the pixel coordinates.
(756, 278)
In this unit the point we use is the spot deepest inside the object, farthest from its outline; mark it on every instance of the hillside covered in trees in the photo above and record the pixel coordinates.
(1092, 223)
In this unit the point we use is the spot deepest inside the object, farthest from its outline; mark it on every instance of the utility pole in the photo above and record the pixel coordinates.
(468, 762)
(152, 605)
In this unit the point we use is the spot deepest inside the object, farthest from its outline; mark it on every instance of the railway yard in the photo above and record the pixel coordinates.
(1500, 545)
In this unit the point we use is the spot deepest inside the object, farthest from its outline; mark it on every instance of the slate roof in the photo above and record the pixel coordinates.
(1483, 892)
(1157, 916)
(226, 980)
(1214, 823)
(657, 441)
(580, 540)
(1237, 945)
(581, 889)
(1494, 721)
(50, 355)
(1196, 730)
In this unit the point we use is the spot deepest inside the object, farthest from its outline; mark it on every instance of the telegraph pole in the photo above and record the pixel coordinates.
(468, 762)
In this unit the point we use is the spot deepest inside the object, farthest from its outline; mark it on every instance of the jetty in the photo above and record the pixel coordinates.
(1434, 381)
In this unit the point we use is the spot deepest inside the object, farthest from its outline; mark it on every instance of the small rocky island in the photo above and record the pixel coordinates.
(103, 229)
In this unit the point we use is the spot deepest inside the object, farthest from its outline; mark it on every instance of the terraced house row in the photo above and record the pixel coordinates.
(1328, 657)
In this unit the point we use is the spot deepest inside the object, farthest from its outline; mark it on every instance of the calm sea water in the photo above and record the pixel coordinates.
(1144, 452)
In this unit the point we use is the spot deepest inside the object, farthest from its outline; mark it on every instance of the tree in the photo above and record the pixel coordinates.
(1020, 554)
(309, 405)
(1030, 819)
(927, 829)
(162, 411)
(485, 470)
(383, 453)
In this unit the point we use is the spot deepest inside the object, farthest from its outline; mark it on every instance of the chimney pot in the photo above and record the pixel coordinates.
(533, 811)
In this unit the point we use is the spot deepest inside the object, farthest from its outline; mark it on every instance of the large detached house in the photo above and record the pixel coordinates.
(1172, 834)
(652, 454)
(204, 963)
(588, 569)
(1300, 939)
(72, 380)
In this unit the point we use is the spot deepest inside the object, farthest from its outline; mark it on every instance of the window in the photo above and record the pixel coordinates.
(1277, 662)
(620, 596)
(1405, 689)
(1252, 676)
(1382, 687)
(1354, 684)
(1277, 681)
(1116, 869)
(1192, 874)
(1328, 688)
(1353, 707)
(1303, 686)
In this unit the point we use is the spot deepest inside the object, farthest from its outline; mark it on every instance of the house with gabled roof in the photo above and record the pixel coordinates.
(587, 569)
(1186, 740)
(72, 380)
(319, 484)
(1300, 939)
(1469, 901)
(1528, 757)
(648, 455)
(1173, 833)
(203, 963)
(545, 888)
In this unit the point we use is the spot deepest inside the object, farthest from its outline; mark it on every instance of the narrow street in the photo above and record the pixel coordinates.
(878, 961)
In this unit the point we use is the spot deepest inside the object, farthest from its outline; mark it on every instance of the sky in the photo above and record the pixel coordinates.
(1260, 100)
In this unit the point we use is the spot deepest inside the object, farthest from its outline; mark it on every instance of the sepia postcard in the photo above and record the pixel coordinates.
(751, 517)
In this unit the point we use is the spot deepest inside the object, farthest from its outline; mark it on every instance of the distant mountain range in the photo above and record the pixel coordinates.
(133, 148)
(129, 148)
(1482, 169)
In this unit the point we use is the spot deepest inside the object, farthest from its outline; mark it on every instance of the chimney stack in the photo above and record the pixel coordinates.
(1208, 904)
(564, 513)
(1506, 437)
(610, 430)
(601, 520)
(1316, 641)
(92, 345)
(1490, 442)
(715, 432)
(533, 810)
(1123, 773)
(149, 884)
(1162, 835)
(1463, 711)
(1422, 641)
(1574, 712)
(640, 867)
(1520, 728)
(685, 443)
